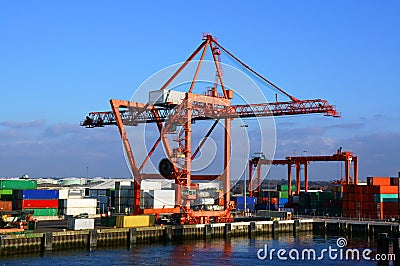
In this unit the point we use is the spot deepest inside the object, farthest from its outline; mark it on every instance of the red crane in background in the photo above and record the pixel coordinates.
(340, 156)
(213, 105)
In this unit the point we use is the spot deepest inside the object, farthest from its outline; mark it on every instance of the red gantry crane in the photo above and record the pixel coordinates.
(340, 156)
(213, 105)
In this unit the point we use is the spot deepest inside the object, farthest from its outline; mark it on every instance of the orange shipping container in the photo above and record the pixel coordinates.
(389, 190)
(375, 180)
(5, 205)
(274, 200)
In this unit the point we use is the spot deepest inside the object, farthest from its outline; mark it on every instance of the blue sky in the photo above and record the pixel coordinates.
(60, 60)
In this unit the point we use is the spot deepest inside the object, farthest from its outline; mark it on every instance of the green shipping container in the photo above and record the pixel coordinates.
(285, 188)
(6, 192)
(110, 221)
(326, 195)
(44, 212)
(283, 195)
(18, 184)
(386, 198)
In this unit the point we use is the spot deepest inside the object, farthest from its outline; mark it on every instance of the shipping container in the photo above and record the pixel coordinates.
(380, 181)
(18, 184)
(206, 201)
(285, 188)
(150, 185)
(109, 221)
(383, 197)
(273, 201)
(31, 204)
(6, 206)
(6, 191)
(249, 207)
(166, 96)
(205, 193)
(44, 211)
(78, 203)
(283, 195)
(36, 194)
(394, 181)
(80, 224)
(282, 202)
(135, 221)
(389, 190)
(249, 200)
(77, 211)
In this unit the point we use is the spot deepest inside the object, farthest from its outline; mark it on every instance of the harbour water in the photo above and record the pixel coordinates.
(236, 251)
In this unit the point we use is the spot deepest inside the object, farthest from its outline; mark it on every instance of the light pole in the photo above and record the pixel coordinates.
(245, 164)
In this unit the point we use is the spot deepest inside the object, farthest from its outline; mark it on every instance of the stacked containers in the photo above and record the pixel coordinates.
(6, 191)
(337, 192)
(378, 199)
(304, 202)
(41, 202)
(124, 196)
(283, 196)
(250, 203)
(103, 199)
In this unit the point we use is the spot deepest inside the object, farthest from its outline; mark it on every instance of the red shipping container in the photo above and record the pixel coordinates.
(26, 204)
(373, 189)
(345, 196)
(5, 205)
(352, 197)
(359, 189)
(390, 206)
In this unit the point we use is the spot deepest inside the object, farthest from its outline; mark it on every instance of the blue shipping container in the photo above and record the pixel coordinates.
(249, 200)
(282, 202)
(273, 207)
(40, 194)
(250, 207)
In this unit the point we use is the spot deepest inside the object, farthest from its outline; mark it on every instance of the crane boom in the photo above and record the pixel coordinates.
(136, 114)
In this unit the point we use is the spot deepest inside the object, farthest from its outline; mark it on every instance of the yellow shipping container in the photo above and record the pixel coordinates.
(135, 221)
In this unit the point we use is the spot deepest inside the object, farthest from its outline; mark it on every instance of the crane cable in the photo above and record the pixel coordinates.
(256, 73)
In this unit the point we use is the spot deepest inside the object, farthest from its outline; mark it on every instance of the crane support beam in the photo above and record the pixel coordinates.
(202, 111)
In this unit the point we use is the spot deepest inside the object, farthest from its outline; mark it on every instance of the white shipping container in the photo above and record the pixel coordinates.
(77, 211)
(76, 193)
(209, 185)
(150, 185)
(205, 194)
(206, 201)
(78, 203)
(63, 193)
(162, 194)
(120, 185)
(166, 96)
(71, 194)
(80, 224)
